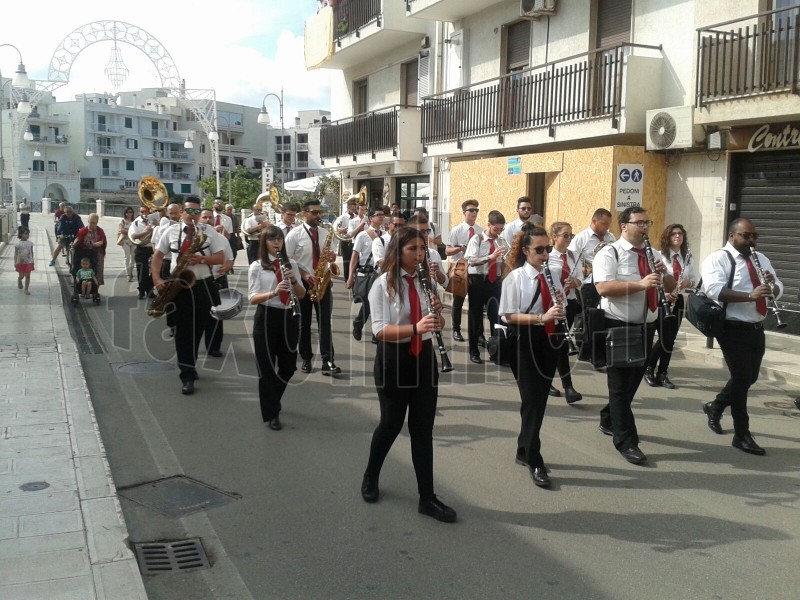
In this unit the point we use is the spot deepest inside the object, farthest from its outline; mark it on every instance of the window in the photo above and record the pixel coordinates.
(186, 188)
(128, 122)
(36, 131)
(132, 144)
(239, 162)
(613, 23)
(129, 165)
(302, 138)
(202, 148)
(518, 47)
(258, 163)
(202, 172)
(223, 161)
(131, 185)
(38, 166)
(410, 74)
(360, 98)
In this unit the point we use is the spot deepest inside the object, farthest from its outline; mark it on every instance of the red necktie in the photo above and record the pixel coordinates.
(676, 268)
(761, 303)
(564, 269)
(283, 295)
(216, 222)
(315, 246)
(644, 269)
(187, 241)
(471, 233)
(547, 303)
(492, 264)
(416, 315)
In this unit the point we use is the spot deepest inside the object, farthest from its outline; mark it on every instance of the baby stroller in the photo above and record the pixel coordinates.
(76, 257)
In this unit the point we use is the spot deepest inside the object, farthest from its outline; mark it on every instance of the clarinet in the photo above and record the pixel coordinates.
(562, 302)
(426, 288)
(773, 305)
(662, 296)
(286, 269)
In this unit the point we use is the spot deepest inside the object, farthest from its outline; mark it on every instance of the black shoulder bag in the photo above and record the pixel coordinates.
(705, 314)
(502, 345)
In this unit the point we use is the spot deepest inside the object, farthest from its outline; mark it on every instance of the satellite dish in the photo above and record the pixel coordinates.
(663, 129)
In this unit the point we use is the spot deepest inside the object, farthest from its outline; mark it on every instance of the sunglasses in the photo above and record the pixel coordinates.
(567, 236)
(315, 212)
(192, 211)
(471, 210)
(542, 249)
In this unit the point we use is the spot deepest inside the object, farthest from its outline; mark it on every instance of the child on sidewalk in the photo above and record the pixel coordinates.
(86, 277)
(23, 258)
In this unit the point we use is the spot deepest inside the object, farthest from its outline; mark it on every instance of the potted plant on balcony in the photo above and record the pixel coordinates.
(343, 26)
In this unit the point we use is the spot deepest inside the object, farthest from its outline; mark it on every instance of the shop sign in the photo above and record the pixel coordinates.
(769, 136)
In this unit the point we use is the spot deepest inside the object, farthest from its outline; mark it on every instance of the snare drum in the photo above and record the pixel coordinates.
(229, 306)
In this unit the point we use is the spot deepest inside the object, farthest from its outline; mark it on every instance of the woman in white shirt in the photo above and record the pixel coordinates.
(527, 304)
(276, 330)
(406, 372)
(127, 245)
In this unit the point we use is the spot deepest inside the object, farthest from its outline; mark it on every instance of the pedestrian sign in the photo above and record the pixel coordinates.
(629, 184)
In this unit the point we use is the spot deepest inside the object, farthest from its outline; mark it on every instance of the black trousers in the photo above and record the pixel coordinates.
(215, 328)
(24, 218)
(743, 346)
(252, 251)
(142, 256)
(346, 251)
(458, 306)
(406, 383)
(622, 385)
(192, 312)
(533, 366)
(275, 335)
(482, 293)
(661, 354)
(564, 369)
(323, 310)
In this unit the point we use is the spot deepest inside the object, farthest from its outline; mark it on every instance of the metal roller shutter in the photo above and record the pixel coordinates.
(766, 190)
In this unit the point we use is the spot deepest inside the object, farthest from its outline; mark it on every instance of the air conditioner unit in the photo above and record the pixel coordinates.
(533, 9)
(670, 128)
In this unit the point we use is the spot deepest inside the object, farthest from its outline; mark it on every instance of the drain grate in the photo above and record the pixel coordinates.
(177, 555)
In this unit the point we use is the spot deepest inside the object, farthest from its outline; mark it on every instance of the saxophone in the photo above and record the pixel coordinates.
(324, 271)
(181, 278)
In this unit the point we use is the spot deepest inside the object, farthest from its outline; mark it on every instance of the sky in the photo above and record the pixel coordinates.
(243, 49)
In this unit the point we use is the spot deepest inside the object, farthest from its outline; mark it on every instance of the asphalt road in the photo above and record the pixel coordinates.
(701, 520)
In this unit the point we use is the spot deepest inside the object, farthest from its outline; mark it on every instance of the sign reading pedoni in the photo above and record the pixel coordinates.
(629, 184)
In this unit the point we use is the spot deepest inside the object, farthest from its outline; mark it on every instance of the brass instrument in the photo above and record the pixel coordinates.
(181, 278)
(325, 269)
(662, 296)
(773, 304)
(362, 195)
(425, 280)
(286, 271)
(560, 299)
(274, 198)
(154, 195)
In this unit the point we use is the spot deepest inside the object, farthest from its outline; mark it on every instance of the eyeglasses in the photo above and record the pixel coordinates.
(747, 235)
(542, 249)
(566, 236)
(378, 215)
(641, 223)
(473, 210)
(314, 212)
(524, 208)
(192, 211)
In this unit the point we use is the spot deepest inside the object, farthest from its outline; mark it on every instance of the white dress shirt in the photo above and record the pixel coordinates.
(379, 249)
(459, 236)
(583, 245)
(513, 229)
(556, 264)
(363, 245)
(298, 246)
(623, 266)
(260, 280)
(716, 271)
(139, 224)
(478, 250)
(688, 271)
(224, 220)
(394, 310)
(519, 288)
(172, 239)
(251, 223)
(228, 253)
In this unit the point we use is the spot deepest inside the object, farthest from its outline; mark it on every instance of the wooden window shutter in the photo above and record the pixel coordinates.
(518, 46)
(613, 22)
(423, 88)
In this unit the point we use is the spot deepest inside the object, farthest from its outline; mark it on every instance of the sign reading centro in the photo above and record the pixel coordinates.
(769, 136)
(629, 184)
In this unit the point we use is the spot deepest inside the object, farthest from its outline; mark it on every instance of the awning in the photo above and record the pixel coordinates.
(309, 184)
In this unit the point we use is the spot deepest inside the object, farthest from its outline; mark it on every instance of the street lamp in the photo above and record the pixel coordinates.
(20, 80)
(89, 153)
(263, 119)
(214, 137)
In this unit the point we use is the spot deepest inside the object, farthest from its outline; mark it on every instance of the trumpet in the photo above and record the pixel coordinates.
(773, 305)
(286, 272)
(561, 300)
(662, 296)
(426, 288)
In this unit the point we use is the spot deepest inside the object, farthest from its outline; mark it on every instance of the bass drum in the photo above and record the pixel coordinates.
(230, 305)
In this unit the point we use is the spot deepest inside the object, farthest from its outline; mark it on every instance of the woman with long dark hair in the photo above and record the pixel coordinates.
(276, 330)
(527, 304)
(406, 371)
(674, 248)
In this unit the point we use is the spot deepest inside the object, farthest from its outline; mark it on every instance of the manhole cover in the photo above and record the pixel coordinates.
(179, 555)
(177, 496)
(139, 368)
(34, 486)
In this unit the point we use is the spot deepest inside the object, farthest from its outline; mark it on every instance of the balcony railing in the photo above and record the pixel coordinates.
(44, 139)
(749, 56)
(171, 155)
(109, 173)
(301, 147)
(180, 176)
(104, 127)
(302, 164)
(106, 150)
(580, 87)
(351, 15)
(361, 134)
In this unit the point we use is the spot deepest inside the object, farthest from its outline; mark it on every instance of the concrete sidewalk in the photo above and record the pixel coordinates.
(62, 534)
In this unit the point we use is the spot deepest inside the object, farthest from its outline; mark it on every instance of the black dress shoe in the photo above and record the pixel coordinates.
(633, 455)
(797, 403)
(215, 353)
(357, 333)
(746, 443)
(306, 366)
(664, 381)
(374, 340)
(650, 378)
(141, 295)
(275, 424)
(188, 388)
(539, 476)
(607, 430)
(481, 341)
(713, 418)
(369, 489)
(476, 358)
(328, 368)
(433, 507)
(554, 392)
(520, 460)
(457, 335)
(571, 395)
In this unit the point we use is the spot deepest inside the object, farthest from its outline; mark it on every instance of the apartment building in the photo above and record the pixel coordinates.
(561, 100)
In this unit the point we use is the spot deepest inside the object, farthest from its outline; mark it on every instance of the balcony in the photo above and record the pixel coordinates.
(109, 173)
(446, 10)
(599, 93)
(104, 128)
(106, 150)
(748, 67)
(174, 176)
(169, 155)
(301, 147)
(386, 136)
(44, 139)
(301, 164)
(50, 176)
(339, 37)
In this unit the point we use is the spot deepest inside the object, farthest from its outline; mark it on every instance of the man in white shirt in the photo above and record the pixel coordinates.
(214, 328)
(584, 243)
(252, 228)
(192, 305)
(435, 238)
(624, 279)
(396, 221)
(288, 217)
(141, 234)
(221, 222)
(364, 265)
(524, 211)
(460, 235)
(173, 216)
(342, 227)
(24, 209)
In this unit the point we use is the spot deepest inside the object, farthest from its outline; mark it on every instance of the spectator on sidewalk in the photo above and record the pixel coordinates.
(24, 208)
